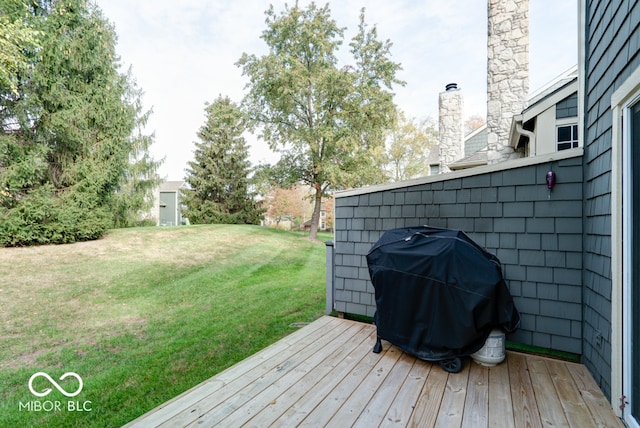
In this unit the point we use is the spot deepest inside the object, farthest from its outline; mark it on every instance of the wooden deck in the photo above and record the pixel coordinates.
(326, 375)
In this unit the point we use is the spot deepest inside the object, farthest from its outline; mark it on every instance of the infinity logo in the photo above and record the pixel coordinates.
(54, 383)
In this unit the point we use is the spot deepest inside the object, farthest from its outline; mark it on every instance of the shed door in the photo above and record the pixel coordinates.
(168, 209)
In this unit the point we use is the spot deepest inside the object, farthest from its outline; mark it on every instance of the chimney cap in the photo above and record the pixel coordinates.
(451, 87)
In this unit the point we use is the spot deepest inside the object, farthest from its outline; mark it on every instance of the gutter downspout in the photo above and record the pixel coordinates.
(530, 134)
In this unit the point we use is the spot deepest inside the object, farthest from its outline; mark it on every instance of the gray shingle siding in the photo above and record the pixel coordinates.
(556, 253)
(475, 143)
(536, 236)
(611, 53)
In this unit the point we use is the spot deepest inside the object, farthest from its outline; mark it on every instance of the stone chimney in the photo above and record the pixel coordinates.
(450, 126)
(507, 72)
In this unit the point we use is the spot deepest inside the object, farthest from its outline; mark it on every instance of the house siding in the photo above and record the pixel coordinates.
(611, 54)
(475, 143)
(537, 236)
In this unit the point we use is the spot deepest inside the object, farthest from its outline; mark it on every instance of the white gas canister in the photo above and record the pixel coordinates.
(493, 351)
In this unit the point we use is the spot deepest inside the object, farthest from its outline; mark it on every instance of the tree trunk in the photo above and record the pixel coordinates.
(315, 218)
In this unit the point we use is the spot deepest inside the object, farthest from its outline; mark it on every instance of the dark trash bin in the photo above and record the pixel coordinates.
(438, 294)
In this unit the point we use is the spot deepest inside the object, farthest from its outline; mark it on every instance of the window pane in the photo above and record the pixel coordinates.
(564, 133)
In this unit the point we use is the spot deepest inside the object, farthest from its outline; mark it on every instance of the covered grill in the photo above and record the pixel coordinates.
(438, 294)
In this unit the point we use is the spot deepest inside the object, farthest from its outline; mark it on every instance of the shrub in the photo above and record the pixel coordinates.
(40, 218)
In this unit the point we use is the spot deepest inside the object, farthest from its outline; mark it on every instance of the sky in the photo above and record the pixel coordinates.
(182, 54)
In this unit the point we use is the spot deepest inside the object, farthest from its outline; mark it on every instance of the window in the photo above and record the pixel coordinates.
(566, 137)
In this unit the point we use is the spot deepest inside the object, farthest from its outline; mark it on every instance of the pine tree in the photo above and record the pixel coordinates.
(134, 195)
(219, 176)
(66, 129)
(17, 38)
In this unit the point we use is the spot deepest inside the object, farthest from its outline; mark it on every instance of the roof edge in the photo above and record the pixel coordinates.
(470, 172)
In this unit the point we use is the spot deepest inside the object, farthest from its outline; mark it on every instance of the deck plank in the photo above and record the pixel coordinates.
(597, 404)
(236, 380)
(350, 410)
(525, 408)
(452, 406)
(269, 396)
(332, 402)
(308, 388)
(312, 396)
(231, 399)
(500, 404)
(405, 402)
(430, 400)
(476, 407)
(326, 374)
(191, 397)
(572, 403)
(550, 409)
(380, 403)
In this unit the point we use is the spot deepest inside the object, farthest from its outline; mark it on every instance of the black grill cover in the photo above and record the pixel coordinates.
(438, 293)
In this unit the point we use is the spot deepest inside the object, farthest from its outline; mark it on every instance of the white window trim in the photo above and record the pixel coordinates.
(559, 124)
(567, 121)
(622, 99)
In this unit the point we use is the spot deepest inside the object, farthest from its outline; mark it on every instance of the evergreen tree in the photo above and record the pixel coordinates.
(134, 195)
(219, 176)
(66, 137)
(17, 37)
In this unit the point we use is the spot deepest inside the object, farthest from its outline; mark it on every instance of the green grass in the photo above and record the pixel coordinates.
(145, 314)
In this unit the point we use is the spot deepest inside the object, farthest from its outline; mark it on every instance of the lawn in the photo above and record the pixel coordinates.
(143, 315)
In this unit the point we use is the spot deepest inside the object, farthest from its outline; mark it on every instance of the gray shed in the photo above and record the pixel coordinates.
(168, 203)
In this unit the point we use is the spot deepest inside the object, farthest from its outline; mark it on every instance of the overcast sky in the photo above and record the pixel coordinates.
(183, 54)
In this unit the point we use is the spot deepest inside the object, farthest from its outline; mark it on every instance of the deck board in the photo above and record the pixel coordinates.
(452, 406)
(429, 403)
(325, 374)
(351, 408)
(500, 404)
(402, 407)
(380, 403)
(573, 405)
(525, 408)
(476, 410)
(551, 410)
